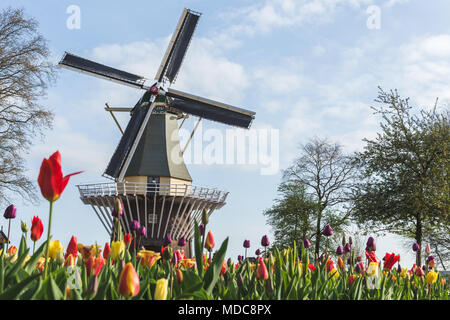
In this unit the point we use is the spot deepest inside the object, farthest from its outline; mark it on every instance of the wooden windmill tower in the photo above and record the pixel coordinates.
(147, 167)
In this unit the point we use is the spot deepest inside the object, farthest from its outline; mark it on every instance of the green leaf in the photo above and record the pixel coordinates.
(198, 249)
(15, 291)
(213, 272)
(30, 266)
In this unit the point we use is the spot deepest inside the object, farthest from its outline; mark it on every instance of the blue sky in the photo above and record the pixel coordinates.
(305, 67)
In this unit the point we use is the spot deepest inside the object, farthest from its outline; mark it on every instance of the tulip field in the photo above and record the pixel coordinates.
(118, 270)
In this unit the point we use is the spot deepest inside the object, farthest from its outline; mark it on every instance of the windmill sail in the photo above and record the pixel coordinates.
(210, 109)
(95, 69)
(120, 154)
(178, 45)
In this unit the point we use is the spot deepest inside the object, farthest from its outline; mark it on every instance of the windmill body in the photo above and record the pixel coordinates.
(147, 168)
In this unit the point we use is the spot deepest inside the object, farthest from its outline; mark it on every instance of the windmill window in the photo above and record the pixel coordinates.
(152, 218)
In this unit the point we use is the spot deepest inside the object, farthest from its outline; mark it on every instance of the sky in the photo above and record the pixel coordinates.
(307, 68)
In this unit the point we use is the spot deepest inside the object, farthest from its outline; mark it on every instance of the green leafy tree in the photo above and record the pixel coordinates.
(293, 217)
(404, 186)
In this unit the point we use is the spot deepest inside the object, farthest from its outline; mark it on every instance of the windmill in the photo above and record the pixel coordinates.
(147, 167)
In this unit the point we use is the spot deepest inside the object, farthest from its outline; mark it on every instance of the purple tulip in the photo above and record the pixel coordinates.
(415, 247)
(371, 245)
(134, 225)
(202, 229)
(167, 240)
(399, 268)
(339, 250)
(240, 258)
(349, 260)
(258, 252)
(10, 212)
(142, 231)
(430, 258)
(306, 243)
(246, 244)
(182, 242)
(327, 231)
(357, 268)
(265, 241)
(347, 248)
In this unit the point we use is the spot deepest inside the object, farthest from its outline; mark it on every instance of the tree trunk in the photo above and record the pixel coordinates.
(419, 240)
(318, 234)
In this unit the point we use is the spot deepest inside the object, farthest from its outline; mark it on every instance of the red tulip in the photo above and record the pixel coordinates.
(390, 260)
(51, 180)
(107, 251)
(127, 238)
(72, 248)
(37, 228)
(372, 257)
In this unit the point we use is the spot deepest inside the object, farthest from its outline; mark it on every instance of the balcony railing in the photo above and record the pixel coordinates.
(150, 189)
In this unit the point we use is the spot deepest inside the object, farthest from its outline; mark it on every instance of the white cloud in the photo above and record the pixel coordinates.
(271, 14)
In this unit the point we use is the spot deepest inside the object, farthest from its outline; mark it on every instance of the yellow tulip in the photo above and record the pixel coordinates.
(117, 250)
(54, 248)
(432, 276)
(404, 273)
(148, 257)
(333, 273)
(372, 270)
(161, 289)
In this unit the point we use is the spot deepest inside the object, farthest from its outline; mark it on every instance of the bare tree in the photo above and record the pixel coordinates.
(327, 173)
(25, 73)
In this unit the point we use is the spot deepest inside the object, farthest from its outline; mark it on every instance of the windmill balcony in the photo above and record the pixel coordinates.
(162, 208)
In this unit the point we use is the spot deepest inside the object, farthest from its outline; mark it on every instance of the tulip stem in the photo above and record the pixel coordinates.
(7, 242)
(48, 238)
(34, 246)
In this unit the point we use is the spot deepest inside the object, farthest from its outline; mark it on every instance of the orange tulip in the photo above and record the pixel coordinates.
(51, 180)
(209, 243)
(223, 270)
(262, 273)
(129, 284)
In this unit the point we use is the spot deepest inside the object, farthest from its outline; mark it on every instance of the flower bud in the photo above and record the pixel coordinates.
(179, 274)
(327, 231)
(428, 249)
(209, 243)
(269, 286)
(306, 243)
(118, 208)
(134, 225)
(339, 251)
(93, 286)
(129, 284)
(23, 226)
(202, 229)
(205, 217)
(246, 244)
(182, 241)
(415, 247)
(265, 241)
(347, 248)
(371, 244)
(161, 289)
(167, 240)
(258, 252)
(350, 240)
(10, 212)
(168, 253)
(142, 231)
